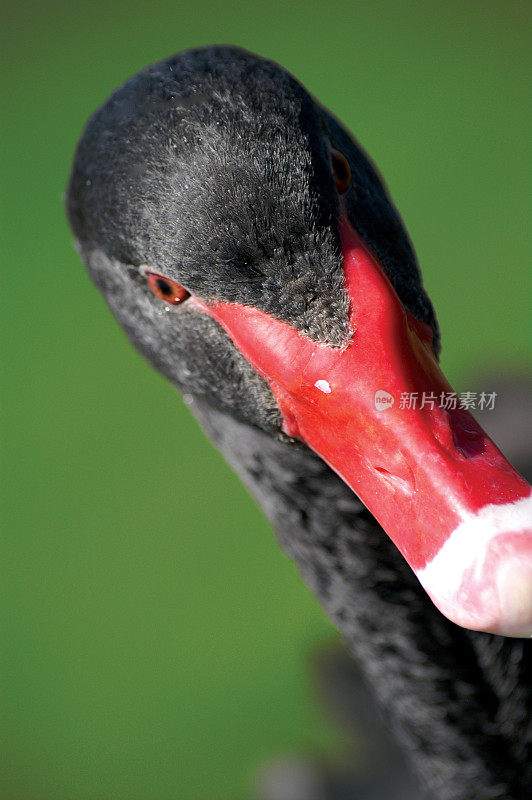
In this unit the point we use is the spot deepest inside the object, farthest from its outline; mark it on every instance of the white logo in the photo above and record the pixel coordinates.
(383, 400)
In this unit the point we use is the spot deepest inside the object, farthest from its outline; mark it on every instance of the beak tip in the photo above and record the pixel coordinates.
(482, 577)
(514, 589)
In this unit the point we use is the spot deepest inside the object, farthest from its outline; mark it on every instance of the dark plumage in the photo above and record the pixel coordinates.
(212, 166)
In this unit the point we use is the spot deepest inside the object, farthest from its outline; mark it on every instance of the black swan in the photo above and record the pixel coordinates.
(250, 251)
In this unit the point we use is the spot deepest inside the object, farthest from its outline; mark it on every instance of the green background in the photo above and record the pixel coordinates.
(157, 640)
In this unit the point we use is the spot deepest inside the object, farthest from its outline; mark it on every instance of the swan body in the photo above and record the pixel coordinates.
(249, 249)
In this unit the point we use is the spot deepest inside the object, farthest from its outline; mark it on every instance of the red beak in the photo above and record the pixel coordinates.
(379, 412)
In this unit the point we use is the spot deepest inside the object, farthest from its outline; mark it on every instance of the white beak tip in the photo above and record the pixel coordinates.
(482, 577)
(514, 588)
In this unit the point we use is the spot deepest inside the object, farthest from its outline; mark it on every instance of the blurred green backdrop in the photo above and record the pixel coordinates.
(156, 637)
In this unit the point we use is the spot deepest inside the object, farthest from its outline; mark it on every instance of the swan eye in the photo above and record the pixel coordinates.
(165, 289)
(341, 171)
